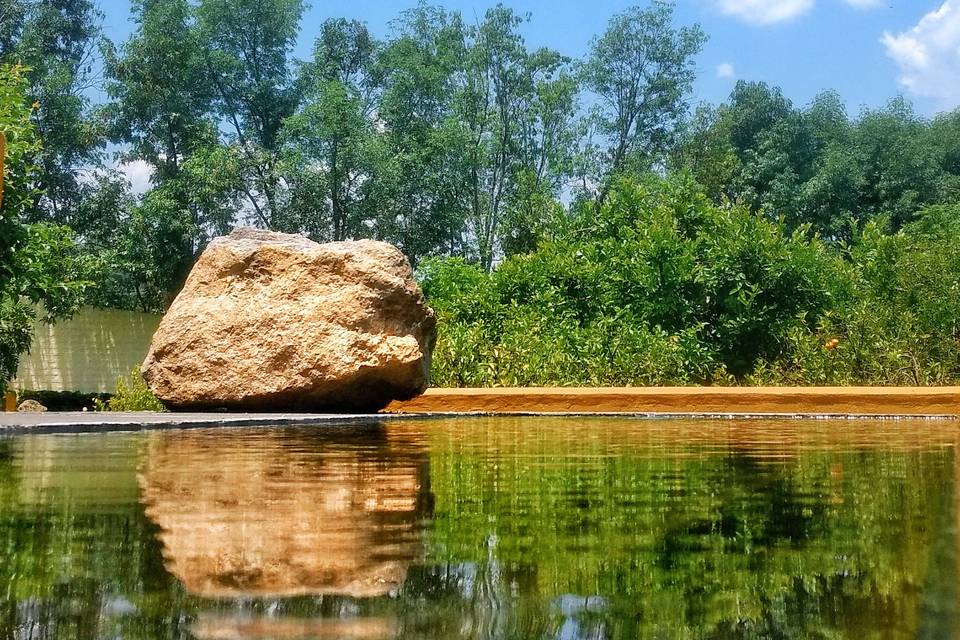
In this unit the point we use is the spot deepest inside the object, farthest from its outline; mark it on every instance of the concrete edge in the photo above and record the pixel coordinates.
(57, 423)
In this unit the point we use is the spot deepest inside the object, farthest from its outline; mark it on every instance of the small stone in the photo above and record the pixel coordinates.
(273, 322)
(31, 406)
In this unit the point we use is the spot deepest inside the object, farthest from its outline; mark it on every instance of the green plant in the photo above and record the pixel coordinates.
(660, 286)
(132, 394)
(39, 263)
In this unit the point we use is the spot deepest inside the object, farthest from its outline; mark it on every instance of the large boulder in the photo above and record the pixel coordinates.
(271, 321)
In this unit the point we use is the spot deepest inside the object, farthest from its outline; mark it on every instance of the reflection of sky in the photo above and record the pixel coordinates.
(575, 627)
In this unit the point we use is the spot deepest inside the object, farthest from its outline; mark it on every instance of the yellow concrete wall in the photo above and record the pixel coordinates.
(86, 353)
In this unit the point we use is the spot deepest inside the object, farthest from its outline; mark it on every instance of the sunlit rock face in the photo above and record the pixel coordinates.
(277, 514)
(273, 322)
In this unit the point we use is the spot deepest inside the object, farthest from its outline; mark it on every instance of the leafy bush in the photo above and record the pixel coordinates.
(132, 394)
(899, 321)
(660, 286)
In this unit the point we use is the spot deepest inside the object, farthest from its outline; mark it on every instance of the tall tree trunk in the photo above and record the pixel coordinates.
(335, 201)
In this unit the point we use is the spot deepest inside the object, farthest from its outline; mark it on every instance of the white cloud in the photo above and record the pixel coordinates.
(762, 12)
(865, 4)
(726, 70)
(138, 173)
(928, 54)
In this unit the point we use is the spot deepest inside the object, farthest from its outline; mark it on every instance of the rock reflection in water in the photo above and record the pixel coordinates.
(278, 513)
(210, 627)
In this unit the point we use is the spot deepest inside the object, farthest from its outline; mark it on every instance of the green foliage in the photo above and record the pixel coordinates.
(641, 68)
(663, 287)
(816, 166)
(453, 137)
(512, 114)
(21, 162)
(898, 320)
(160, 94)
(16, 334)
(55, 44)
(331, 142)
(247, 46)
(132, 394)
(39, 263)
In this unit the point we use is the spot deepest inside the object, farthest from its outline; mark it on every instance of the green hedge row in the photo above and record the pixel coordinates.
(660, 286)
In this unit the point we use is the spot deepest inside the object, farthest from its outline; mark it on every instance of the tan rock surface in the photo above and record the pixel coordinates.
(31, 406)
(275, 321)
(286, 513)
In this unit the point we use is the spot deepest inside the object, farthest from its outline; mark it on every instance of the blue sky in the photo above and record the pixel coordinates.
(867, 50)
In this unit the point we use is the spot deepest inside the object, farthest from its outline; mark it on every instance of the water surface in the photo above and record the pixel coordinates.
(484, 528)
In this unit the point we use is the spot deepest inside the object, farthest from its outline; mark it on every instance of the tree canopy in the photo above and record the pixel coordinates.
(39, 263)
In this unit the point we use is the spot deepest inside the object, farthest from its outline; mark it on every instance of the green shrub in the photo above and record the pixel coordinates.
(132, 394)
(898, 322)
(660, 286)
(657, 287)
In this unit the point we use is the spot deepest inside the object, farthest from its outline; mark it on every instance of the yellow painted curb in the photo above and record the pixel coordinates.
(861, 401)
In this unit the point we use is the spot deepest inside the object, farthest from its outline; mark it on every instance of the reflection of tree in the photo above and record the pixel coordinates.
(699, 530)
(75, 548)
(278, 514)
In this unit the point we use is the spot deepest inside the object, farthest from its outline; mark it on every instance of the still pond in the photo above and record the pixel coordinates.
(485, 528)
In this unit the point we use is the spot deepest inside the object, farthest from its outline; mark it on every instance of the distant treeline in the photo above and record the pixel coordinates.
(445, 138)
(450, 138)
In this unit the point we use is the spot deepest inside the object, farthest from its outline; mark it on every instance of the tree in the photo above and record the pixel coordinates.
(705, 150)
(161, 108)
(513, 111)
(754, 108)
(331, 140)
(420, 181)
(901, 170)
(640, 70)
(39, 264)
(815, 165)
(57, 41)
(158, 86)
(943, 138)
(773, 146)
(144, 247)
(246, 46)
